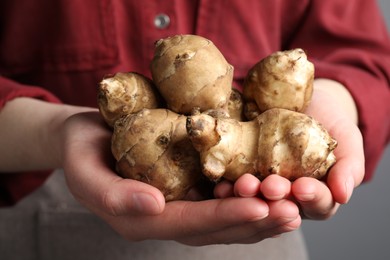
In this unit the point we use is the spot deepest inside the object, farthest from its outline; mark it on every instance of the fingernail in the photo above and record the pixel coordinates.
(349, 187)
(145, 203)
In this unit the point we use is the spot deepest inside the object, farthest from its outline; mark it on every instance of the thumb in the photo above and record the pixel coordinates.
(348, 172)
(88, 164)
(129, 197)
(104, 192)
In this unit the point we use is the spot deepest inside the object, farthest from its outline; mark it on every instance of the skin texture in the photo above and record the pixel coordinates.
(278, 141)
(236, 105)
(152, 146)
(196, 63)
(44, 135)
(283, 79)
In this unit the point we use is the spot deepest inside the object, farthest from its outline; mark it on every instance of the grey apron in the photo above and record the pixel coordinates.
(50, 224)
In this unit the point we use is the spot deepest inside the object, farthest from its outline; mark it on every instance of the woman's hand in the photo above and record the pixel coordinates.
(334, 108)
(138, 211)
(48, 136)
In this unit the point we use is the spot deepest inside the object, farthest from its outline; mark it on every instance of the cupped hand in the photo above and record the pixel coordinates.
(333, 107)
(138, 211)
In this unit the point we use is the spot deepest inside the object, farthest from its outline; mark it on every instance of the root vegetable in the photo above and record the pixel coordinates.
(190, 72)
(278, 141)
(283, 79)
(152, 146)
(203, 129)
(125, 93)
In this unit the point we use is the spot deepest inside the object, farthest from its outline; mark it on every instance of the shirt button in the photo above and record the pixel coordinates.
(161, 21)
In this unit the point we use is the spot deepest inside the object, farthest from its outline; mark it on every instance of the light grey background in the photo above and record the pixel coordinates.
(361, 229)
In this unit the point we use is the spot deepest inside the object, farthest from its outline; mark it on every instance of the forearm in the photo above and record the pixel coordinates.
(30, 134)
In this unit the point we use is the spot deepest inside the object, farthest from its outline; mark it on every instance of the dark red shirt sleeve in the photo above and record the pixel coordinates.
(10, 89)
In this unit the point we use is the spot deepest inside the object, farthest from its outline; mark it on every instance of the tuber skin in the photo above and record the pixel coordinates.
(283, 79)
(190, 72)
(152, 146)
(235, 108)
(278, 141)
(124, 93)
(236, 105)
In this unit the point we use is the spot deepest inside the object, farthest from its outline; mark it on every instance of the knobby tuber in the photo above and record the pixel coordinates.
(283, 79)
(152, 146)
(278, 141)
(124, 93)
(189, 71)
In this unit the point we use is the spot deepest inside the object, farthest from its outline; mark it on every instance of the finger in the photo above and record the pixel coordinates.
(337, 118)
(128, 197)
(224, 189)
(182, 219)
(314, 197)
(247, 186)
(289, 226)
(283, 217)
(92, 181)
(275, 187)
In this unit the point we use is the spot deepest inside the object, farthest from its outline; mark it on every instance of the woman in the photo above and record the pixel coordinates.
(53, 53)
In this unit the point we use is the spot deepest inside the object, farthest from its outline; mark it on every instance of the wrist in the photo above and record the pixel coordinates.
(30, 135)
(52, 135)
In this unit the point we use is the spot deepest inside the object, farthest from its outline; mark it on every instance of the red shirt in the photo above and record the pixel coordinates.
(62, 49)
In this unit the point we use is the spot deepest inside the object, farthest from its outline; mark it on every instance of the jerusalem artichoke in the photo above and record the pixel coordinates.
(190, 72)
(283, 79)
(152, 146)
(278, 141)
(125, 93)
